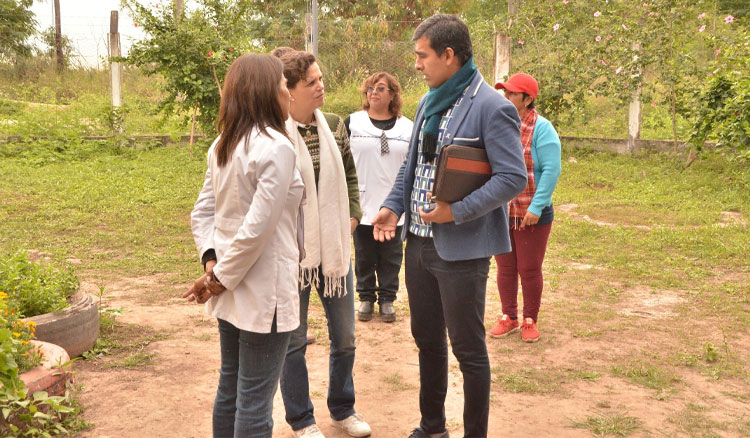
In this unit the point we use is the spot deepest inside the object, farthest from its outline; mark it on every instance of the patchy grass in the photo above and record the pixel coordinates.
(134, 360)
(609, 424)
(647, 374)
(397, 383)
(122, 345)
(694, 421)
(538, 380)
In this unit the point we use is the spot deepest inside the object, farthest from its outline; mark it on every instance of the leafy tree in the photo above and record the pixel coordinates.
(17, 25)
(48, 39)
(580, 48)
(193, 53)
(739, 8)
(722, 104)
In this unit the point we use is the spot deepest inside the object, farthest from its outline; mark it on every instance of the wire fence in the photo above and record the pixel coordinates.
(344, 50)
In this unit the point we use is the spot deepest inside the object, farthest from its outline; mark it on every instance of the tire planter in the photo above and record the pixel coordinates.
(75, 328)
(46, 377)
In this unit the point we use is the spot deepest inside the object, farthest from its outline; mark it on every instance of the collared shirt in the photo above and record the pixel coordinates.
(424, 176)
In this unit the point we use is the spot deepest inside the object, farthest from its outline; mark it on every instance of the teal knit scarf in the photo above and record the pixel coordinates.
(438, 100)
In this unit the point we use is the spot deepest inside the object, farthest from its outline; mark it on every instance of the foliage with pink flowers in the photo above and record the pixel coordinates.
(581, 48)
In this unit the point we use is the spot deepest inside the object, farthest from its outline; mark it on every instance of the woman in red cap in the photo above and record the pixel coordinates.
(531, 213)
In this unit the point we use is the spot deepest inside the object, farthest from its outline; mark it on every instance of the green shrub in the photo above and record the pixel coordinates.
(35, 288)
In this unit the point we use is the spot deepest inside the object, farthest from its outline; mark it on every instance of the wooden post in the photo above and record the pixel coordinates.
(513, 8)
(503, 45)
(502, 57)
(178, 8)
(116, 69)
(634, 114)
(58, 37)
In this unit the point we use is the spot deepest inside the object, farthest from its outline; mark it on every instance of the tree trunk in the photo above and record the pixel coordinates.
(58, 38)
(674, 117)
(216, 78)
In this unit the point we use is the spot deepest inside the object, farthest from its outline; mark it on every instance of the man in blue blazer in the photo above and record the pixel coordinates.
(448, 246)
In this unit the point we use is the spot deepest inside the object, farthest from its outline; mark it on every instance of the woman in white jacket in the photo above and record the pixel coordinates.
(245, 225)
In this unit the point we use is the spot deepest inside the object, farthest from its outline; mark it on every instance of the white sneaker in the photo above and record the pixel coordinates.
(310, 431)
(354, 425)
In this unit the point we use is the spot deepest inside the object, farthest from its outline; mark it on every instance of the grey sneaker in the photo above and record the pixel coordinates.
(354, 425)
(387, 312)
(365, 310)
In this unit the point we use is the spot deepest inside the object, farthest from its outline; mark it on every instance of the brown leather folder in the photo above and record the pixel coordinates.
(460, 171)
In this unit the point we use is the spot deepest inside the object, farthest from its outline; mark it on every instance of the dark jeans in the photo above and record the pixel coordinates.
(250, 368)
(525, 259)
(383, 258)
(448, 294)
(295, 387)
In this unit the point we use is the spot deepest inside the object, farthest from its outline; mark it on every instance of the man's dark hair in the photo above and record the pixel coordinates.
(445, 31)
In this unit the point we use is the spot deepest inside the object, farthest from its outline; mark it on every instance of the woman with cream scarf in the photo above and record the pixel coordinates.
(331, 212)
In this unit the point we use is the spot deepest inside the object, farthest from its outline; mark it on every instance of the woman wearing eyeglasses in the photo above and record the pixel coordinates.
(379, 137)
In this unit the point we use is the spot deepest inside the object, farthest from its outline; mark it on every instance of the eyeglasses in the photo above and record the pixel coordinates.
(380, 89)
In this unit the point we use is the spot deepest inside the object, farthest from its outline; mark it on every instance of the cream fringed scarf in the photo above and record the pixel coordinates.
(326, 211)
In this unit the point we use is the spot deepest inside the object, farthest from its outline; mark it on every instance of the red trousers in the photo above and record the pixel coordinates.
(525, 259)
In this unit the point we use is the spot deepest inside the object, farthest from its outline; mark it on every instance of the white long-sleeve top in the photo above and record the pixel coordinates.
(376, 171)
(247, 211)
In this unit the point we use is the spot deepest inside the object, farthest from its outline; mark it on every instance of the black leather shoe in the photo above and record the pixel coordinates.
(365, 310)
(387, 312)
(419, 433)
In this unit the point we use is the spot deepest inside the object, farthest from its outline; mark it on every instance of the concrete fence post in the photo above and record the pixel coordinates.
(116, 71)
(634, 114)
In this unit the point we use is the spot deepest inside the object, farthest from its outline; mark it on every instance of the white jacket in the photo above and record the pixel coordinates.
(247, 211)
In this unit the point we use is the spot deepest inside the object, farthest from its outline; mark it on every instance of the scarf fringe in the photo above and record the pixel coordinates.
(335, 286)
(308, 275)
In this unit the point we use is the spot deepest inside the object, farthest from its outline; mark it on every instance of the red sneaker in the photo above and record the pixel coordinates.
(504, 327)
(529, 332)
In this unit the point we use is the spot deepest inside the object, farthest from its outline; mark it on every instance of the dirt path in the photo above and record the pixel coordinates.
(174, 396)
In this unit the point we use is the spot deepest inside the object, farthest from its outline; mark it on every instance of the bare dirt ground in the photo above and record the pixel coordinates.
(540, 389)
(174, 396)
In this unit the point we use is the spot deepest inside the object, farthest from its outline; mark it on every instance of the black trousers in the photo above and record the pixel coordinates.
(382, 258)
(448, 295)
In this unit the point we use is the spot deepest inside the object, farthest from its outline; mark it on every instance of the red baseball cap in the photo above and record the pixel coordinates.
(520, 83)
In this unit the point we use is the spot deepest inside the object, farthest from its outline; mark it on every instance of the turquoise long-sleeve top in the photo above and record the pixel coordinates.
(546, 153)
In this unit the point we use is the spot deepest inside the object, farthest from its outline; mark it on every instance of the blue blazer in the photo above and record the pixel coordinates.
(484, 119)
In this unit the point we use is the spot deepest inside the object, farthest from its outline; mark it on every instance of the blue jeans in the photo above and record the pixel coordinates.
(448, 295)
(250, 368)
(295, 388)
